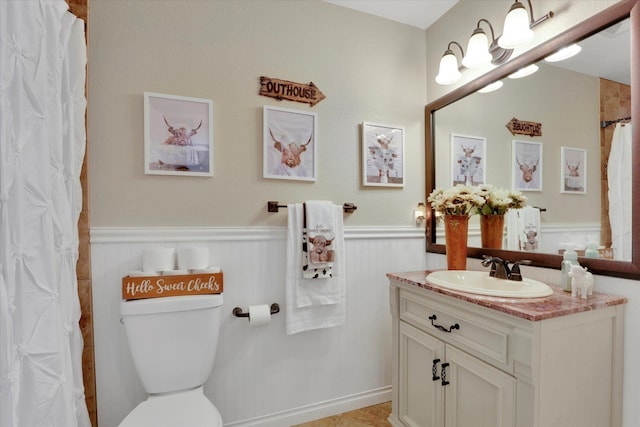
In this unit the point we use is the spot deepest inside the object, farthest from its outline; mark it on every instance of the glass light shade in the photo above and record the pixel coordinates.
(448, 72)
(477, 50)
(564, 53)
(491, 87)
(524, 72)
(516, 28)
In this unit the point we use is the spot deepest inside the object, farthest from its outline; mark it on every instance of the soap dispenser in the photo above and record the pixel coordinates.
(592, 250)
(569, 258)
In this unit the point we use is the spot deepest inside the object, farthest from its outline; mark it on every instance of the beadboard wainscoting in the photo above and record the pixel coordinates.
(261, 376)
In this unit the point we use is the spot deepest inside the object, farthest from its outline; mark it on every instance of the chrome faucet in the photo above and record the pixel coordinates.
(500, 268)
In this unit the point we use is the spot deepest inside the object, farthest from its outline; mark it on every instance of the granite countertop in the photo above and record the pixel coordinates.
(559, 304)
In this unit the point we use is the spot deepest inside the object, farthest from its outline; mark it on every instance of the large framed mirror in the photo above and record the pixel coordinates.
(463, 101)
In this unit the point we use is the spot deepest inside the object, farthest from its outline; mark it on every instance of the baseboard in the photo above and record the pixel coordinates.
(319, 410)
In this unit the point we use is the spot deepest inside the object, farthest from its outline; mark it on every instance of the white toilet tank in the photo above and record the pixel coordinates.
(173, 340)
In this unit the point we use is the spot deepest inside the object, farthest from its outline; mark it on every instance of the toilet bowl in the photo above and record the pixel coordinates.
(173, 343)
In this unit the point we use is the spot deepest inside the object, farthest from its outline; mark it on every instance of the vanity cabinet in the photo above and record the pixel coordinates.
(458, 360)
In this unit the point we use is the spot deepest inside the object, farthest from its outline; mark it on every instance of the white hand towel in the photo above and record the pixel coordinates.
(530, 228)
(312, 303)
(320, 224)
(514, 229)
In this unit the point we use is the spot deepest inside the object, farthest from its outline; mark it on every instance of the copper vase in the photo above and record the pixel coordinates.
(491, 231)
(455, 231)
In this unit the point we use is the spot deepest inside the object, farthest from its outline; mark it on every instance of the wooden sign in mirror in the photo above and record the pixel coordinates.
(563, 128)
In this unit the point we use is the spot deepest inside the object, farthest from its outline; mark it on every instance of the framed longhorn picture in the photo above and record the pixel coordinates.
(382, 155)
(289, 144)
(178, 135)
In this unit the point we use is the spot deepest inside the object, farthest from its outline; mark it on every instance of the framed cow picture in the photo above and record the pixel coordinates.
(289, 144)
(382, 155)
(526, 167)
(574, 170)
(468, 160)
(178, 135)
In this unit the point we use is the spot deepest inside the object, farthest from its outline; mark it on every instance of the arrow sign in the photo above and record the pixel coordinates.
(521, 127)
(292, 91)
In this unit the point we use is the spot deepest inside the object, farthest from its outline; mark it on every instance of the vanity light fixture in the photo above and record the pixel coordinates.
(480, 52)
(524, 72)
(491, 87)
(518, 25)
(564, 53)
(449, 72)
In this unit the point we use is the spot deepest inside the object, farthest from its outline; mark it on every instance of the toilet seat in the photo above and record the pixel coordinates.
(189, 408)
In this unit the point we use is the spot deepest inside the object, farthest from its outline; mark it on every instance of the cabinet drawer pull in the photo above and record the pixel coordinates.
(444, 374)
(442, 328)
(434, 370)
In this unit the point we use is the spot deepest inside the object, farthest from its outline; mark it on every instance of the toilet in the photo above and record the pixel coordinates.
(173, 343)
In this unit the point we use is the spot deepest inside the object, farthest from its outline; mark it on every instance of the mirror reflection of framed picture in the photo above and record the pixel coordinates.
(468, 160)
(383, 155)
(526, 169)
(574, 170)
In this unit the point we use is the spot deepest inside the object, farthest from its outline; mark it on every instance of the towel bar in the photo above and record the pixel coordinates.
(275, 207)
(275, 308)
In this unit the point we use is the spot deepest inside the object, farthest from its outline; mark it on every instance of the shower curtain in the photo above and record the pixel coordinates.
(619, 174)
(42, 144)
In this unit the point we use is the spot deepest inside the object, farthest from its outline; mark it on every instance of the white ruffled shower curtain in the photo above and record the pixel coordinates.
(42, 144)
(619, 176)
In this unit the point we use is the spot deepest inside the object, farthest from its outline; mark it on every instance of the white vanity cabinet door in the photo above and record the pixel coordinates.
(477, 394)
(421, 399)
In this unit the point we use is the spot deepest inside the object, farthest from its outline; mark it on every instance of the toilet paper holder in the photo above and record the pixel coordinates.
(275, 308)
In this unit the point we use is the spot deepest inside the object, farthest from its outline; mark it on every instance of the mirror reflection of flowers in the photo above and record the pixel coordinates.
(497, 201)
(457, 200)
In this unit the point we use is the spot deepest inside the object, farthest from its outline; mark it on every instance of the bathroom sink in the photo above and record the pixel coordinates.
(479, 282)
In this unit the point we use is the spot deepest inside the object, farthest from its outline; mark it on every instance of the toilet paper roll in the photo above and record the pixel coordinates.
(209, 270)
(259, 315)
(193, 258)
(158, 259)
(143, 273)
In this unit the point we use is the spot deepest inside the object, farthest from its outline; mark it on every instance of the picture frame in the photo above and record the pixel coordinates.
(383, 163)
(178, 135)
(574, 170)
(468, 160)
(526, 168)
(289, 143)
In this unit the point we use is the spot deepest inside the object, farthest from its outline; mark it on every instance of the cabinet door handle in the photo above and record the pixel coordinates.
(444, 374)
(434, 370)
(442, 328)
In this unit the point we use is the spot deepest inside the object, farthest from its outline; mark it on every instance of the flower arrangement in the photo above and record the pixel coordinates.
(458, 200)
(497, 201)
(484, 200)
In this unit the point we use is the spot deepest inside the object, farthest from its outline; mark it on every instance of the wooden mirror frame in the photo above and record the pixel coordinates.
(598, 22)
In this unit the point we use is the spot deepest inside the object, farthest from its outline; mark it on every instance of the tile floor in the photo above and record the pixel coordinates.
(371, 416)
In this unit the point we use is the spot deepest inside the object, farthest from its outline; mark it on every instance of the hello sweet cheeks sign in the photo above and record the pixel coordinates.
(167, 286)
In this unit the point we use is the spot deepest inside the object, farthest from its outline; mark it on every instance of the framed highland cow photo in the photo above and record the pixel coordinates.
(178, 135)
(468, 160)
(526, 168)
(382, 155)
(289, 144)
(574, 170)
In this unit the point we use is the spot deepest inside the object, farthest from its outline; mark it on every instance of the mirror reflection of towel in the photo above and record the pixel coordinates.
(523, 229)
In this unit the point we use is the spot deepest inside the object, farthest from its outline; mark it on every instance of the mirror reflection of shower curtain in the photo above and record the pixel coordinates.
(42, 145)
(619, 174)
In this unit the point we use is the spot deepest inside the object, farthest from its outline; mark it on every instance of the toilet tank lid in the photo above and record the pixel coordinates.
(169, 304)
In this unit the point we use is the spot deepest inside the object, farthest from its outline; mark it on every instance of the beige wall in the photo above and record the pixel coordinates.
(370, 69)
